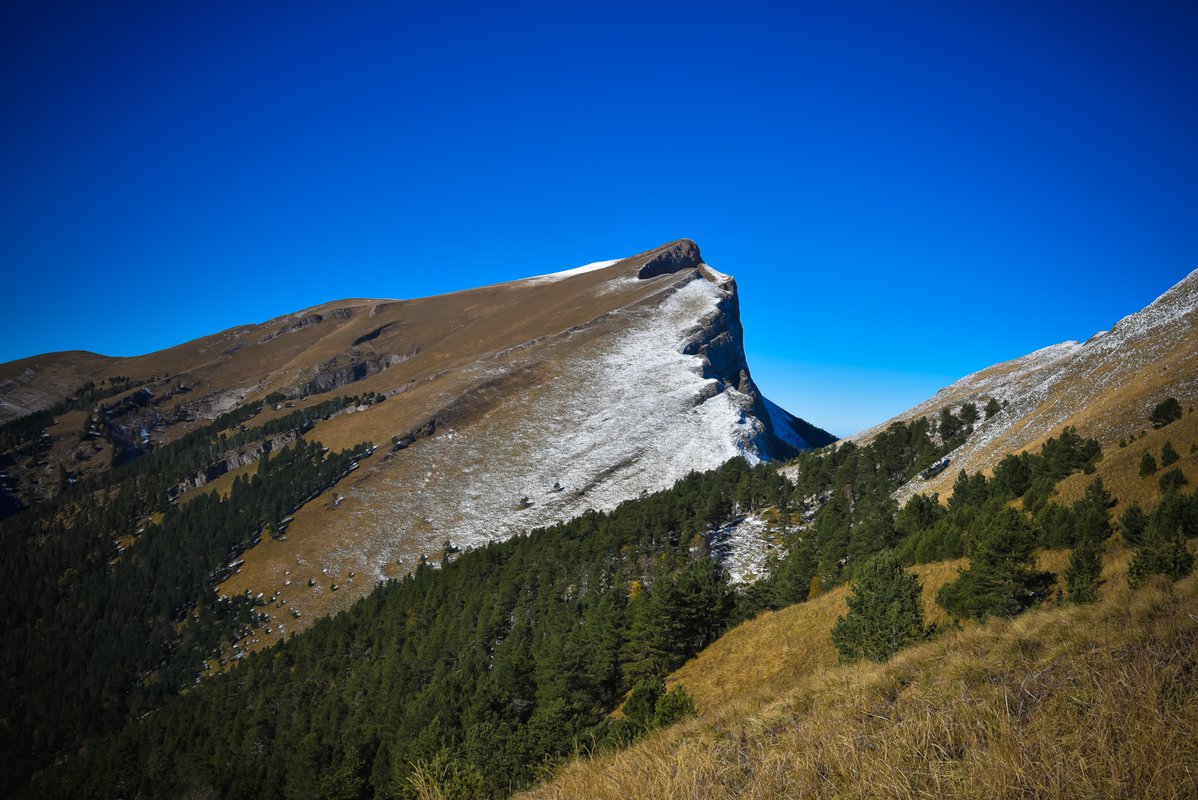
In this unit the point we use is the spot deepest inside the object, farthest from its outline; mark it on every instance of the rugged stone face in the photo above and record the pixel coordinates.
(719, 340)
(236, 460)
(680, 255)
(343, 370)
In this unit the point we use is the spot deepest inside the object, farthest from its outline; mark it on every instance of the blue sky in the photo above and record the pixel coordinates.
(905, 192)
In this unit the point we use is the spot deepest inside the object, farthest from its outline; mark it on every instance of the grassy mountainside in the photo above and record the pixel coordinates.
(1065, 701)
(498, 410)
(1120, 466)
(1105, 387)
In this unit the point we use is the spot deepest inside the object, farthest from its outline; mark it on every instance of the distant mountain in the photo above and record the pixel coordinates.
(1106, 387)
(495, 410)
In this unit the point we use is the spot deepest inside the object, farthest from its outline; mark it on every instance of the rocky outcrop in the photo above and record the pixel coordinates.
(307, 321)
(344, 369)
(719, 341)
(411, 437)
(670, 258)
(235, 460)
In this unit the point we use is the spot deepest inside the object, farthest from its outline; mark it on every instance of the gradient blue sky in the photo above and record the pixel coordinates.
(905, 192)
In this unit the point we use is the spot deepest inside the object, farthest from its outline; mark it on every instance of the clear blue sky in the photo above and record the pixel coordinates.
(905, 192)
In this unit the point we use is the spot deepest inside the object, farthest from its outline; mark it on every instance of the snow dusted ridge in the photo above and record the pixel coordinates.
(566, 273)
(1094, 385)
(628, 413)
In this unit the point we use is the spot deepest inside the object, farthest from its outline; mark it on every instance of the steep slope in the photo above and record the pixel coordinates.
(496, 410)
(1066, 701)
(1105, 387)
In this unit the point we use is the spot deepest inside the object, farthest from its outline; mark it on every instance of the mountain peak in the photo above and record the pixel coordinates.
(669, 258)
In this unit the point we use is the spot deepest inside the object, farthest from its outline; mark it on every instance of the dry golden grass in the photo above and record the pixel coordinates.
(1120, 466)
(1063, 702)
(766, 654)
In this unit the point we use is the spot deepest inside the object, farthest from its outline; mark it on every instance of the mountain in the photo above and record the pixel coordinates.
(485, 671)
(988, 704)
(495, 411)
(1106, 387)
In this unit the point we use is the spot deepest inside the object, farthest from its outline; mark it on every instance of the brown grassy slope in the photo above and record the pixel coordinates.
(766, 654)
(1063, 702)
(1120, 466)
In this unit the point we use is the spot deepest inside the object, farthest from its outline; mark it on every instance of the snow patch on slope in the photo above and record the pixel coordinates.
(743, 547)
(566, 273)
(628, 413)
(1045, 389)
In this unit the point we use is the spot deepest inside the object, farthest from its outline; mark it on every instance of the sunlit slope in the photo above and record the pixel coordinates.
(1106, 387)
(1065, 701)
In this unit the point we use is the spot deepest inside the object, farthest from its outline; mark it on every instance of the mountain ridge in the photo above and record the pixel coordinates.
(1105, 387)
(557, 393)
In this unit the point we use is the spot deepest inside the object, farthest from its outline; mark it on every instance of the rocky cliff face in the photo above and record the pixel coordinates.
(496, 410)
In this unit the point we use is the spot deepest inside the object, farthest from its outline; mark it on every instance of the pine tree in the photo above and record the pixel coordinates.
(1168, 454)
(992, 407)
(1132, 524)
(1084, 573)
(1001, 579)
(642, 702)
(1163, 552)
(1165, 412)
(969, 414)
(1147, 465)
(885, 611)
(673, 706)
(1172, 481)
(1090, 513)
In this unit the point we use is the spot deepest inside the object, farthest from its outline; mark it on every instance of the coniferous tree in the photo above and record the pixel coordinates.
(885, 611)
(1091, 518)
(1001, 579)
(1168, 454)
(1172, 480)
(1165, 412)
(950, 425)
(1147, 465)
(673, 706)
(1162, 552)
(992, 407)
(1084, 573)
(642, 701)
(1132, 524)
(969, 414)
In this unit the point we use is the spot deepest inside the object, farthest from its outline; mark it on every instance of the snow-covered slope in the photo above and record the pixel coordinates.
(1105, 387)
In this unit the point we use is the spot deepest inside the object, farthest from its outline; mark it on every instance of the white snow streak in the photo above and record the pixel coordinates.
(566, 273)
(631, 414)
(743, 547)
